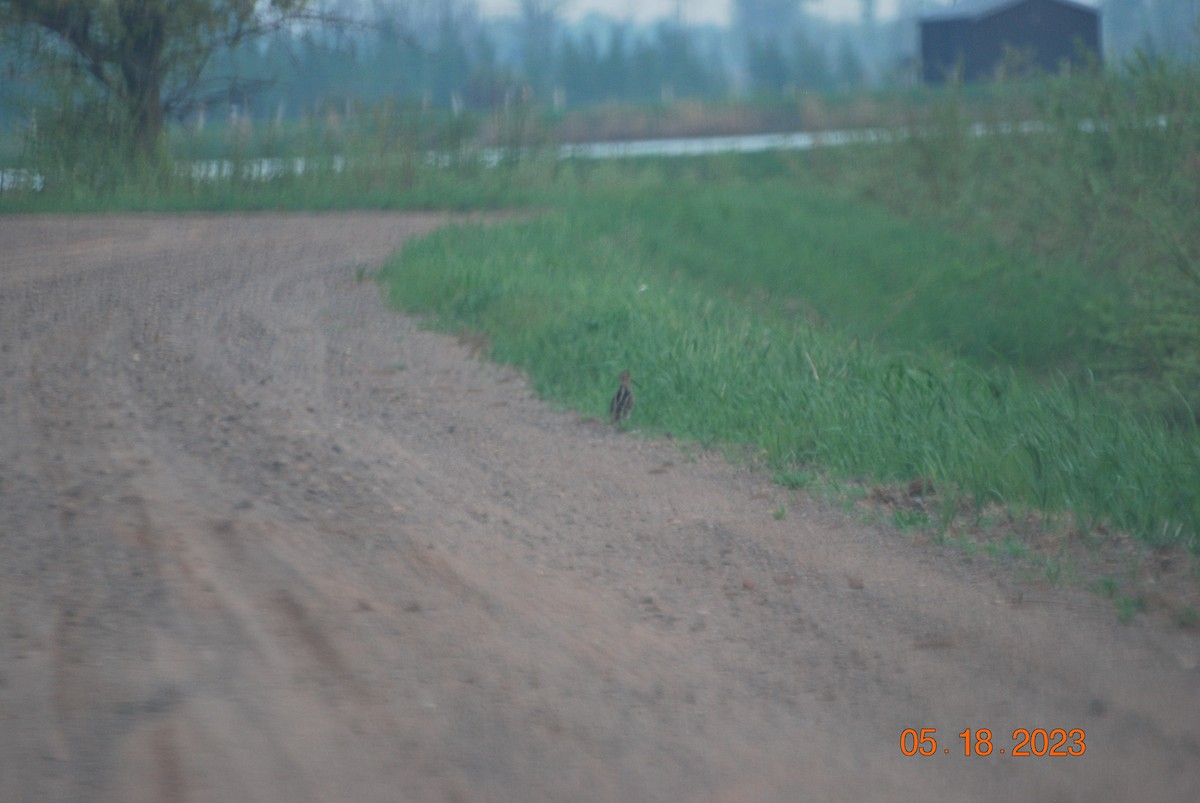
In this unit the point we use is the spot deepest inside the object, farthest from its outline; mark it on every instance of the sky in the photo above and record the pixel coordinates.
(695, 11)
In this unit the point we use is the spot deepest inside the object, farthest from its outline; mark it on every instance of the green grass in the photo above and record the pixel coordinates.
(689, 285)
(891, 283)
(1128, 607)
(1108, 180)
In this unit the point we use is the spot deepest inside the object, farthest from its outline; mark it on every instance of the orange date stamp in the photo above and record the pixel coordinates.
(1056, 742)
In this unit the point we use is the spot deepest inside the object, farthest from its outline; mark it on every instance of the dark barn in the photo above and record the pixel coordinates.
(974, 39)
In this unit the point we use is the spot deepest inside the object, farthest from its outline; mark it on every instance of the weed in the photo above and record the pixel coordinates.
(1010, 547)
(1128, 607)
(1052, 569)
(793, 479)
(909, 519)
(965, 544)
(1106, 587)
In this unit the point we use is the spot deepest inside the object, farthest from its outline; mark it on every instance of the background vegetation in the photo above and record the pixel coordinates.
(290, 59)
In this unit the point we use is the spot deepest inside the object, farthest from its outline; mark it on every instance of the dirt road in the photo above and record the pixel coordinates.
(262, 539)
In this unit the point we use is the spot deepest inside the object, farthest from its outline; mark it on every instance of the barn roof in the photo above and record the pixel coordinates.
(978, 9)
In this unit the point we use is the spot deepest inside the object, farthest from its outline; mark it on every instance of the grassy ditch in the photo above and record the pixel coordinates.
(616, 279)
(1104, 173)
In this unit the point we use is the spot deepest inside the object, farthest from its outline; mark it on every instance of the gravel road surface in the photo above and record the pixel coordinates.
(263, 539)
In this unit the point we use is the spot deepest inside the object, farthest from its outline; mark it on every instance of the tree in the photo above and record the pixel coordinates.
(579, 67)
(762, 20)
(766, 65)
(850, 71)
(147, 57)
(615, 65)
(764, 29)
(539, 26)
(810, 66)
(451, 61)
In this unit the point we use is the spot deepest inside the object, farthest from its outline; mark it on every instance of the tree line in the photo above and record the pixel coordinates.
(134, 64)
(451, 57)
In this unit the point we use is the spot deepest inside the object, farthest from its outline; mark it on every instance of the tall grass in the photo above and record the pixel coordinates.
(389, 157)
(1101, 170)
(576, 296)
(892, 283)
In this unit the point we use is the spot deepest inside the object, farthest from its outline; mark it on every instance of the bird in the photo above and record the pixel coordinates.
(622, 402)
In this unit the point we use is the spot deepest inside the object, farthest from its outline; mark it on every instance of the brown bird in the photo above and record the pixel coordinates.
(622, 402)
